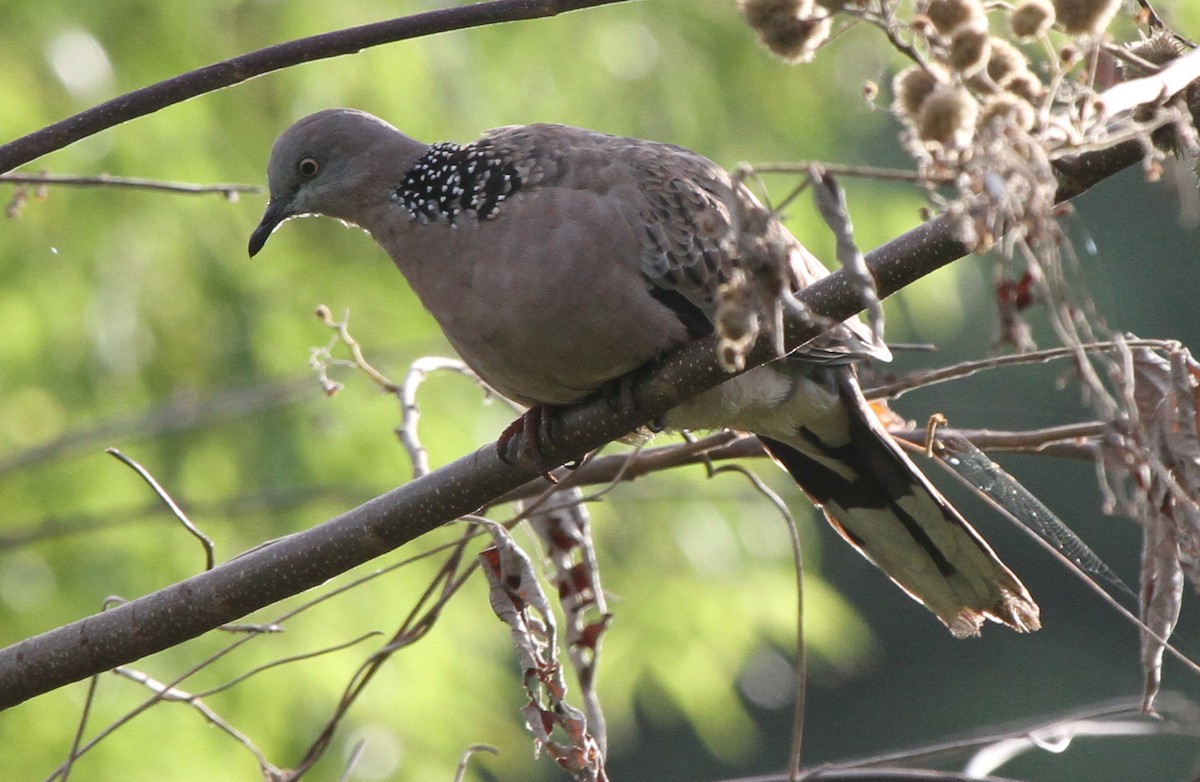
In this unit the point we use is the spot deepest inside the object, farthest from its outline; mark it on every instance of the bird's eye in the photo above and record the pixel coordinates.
(309, 167)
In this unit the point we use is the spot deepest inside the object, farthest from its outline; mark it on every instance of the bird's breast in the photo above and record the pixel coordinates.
(545, 300)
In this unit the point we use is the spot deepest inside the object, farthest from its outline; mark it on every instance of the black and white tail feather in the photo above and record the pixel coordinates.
(881, 503)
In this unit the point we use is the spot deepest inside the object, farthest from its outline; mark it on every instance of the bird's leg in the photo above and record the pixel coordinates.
(535, 428)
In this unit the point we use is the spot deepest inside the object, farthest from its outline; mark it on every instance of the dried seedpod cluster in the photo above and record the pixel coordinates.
(1030, 71)
(998, 103)
(994, 95)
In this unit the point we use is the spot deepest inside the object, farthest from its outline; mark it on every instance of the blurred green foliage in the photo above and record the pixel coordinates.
(118, 302)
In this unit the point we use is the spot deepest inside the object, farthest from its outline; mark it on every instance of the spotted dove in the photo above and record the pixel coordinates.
(557, 259)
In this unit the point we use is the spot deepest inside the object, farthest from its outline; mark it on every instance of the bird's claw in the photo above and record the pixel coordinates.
(618, 394)
(534, 428)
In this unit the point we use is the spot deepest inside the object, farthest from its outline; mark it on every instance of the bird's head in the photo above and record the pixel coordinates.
(337, 163)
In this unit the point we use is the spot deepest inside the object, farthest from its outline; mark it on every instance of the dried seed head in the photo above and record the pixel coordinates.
(1085, 17)
(764, 14)
(1032, 18)
(799, 39)
(1025, 85)
(948, 15)
(948, 117)
(911, 87)
(1007, 110)
(1004, 60)
(1160, 48)
(737, 321)
(792, 29)
(969, 49)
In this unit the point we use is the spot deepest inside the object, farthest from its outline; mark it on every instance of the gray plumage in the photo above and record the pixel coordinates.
(557, 259)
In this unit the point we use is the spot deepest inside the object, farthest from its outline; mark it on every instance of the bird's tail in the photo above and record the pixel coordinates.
(880, 502)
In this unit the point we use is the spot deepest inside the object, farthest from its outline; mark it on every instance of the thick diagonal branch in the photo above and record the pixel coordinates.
(290, 565)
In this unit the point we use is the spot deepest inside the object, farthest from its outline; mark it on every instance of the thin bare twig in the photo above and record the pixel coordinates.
(176, 511)
(169, 693)
(898, 388)
(230, 191)
(238, 643)
(461, 772)
(77, 739)
(1076, 441)
(410, 412)
(322, 358)
(860, 769)
(284, 661)
(1069, 440)
(801, 668)
(420, 619)
(842, 169)
(610, 470)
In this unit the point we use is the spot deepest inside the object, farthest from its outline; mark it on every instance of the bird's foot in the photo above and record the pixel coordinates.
(618, 395)
(535, 430)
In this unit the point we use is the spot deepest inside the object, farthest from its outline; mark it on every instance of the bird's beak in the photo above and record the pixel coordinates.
(278, 210)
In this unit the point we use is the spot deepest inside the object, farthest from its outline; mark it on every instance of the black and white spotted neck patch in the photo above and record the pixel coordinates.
(450, 179)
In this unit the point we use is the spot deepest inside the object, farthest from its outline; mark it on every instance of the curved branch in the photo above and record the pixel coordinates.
(213, 77)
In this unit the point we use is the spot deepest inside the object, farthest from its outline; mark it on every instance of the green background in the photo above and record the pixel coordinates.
(115, 303)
